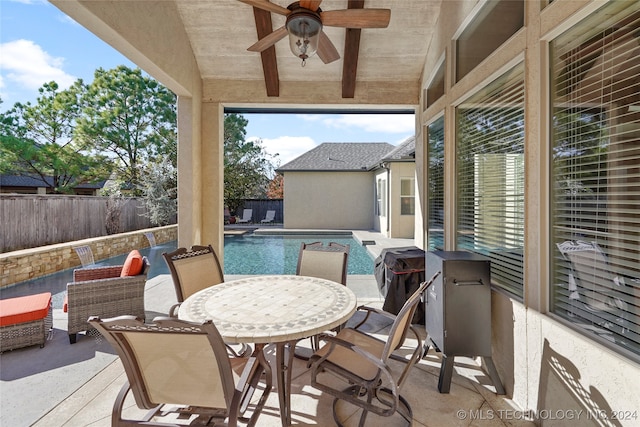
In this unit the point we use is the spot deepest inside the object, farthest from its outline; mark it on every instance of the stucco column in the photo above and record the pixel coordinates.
(189, 172)
(212, 159)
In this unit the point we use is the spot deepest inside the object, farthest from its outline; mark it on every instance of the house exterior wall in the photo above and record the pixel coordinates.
(328, 200)
(545, 363)
(400, 226)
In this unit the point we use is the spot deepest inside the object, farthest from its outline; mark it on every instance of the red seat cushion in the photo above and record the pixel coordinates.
(132, 265)
(24, 309)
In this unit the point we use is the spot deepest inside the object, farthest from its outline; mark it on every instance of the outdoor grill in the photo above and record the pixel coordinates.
(399, 272)
(458, 311)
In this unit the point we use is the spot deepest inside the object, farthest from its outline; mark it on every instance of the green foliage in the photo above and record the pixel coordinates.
(276, 187)
(247, 166)
(580, 146)
(160, 188)
(130, 116)
(38, 140)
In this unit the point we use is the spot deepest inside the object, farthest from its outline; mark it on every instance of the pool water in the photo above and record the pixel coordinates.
(268, 254)
(56, 283)
(243, 255)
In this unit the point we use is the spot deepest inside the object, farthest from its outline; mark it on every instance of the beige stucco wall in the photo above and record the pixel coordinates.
(334, 200)
(544, 363)
(547, 366)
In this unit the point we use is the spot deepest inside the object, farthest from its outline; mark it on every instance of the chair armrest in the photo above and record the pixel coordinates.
(333, 341)
(315, 362)
(369, 311)
(93, 273)
(173, 311)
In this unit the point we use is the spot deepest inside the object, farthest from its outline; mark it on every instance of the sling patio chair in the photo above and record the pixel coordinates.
(325, 262)
(269, 217)
(194, 270)
(354, 366)
(179, 370)
(246, 216)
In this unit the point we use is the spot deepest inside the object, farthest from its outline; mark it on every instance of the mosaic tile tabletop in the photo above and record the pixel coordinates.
(268, 309)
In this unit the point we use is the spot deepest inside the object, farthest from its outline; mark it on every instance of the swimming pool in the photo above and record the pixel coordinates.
(278, 254)
(243, 255)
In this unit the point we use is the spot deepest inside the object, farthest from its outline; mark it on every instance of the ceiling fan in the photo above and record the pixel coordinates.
(304, 24)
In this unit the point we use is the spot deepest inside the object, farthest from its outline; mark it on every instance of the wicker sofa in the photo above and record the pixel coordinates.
(101, 291)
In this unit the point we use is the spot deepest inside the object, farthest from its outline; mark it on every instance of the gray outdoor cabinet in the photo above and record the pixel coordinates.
(458, 311)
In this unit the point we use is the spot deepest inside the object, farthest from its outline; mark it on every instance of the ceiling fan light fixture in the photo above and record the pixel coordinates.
(304, 27)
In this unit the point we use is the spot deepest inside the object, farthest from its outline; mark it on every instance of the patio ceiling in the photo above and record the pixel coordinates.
(177, 41)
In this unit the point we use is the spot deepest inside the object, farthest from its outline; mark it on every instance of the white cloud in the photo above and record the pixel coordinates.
(288, 147)
(27, 65)
(387, 123)
(30, 1)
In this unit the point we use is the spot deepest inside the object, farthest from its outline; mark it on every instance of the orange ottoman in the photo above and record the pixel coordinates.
(25, 321)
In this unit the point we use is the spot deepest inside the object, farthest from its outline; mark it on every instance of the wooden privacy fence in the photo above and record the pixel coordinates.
(260, 208)
(31, 220)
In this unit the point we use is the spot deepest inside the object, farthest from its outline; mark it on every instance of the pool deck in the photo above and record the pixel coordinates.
(72, 385)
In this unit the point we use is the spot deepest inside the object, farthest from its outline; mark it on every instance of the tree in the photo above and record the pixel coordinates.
(160, 187)
(38, 140)
(247, 166)
(130, 116)
(276, 187)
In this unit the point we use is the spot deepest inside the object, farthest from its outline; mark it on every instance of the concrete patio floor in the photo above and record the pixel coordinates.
(76, 385)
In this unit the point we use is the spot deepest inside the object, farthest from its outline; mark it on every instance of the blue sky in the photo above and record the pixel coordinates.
(38, 44)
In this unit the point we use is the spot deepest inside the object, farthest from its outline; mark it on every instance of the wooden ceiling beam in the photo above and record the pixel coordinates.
(351, 53)
(264, 27)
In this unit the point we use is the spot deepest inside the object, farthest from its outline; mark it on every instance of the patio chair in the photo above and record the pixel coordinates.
(359, 363)
(106, 292)
(269, 217)
(193, 270)
(325, 262)
(246, 216)
(182, 369)
(601, 292)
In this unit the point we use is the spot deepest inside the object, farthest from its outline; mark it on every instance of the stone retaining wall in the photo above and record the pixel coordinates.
(26, 264)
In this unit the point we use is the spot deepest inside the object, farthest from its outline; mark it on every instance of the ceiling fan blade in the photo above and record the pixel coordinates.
(327, 52)
(310, 4)
(269, 40)
(356, 18)
(268, 6)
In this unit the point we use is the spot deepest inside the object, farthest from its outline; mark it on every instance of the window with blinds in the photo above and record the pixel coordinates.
(435, 185)
(595, 214)
(490, 170)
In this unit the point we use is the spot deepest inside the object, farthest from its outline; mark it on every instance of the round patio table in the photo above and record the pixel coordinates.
(276, 310)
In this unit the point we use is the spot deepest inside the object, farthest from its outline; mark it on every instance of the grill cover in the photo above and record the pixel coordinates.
(399, 272)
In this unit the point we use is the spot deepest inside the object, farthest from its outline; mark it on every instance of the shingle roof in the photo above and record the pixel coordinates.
(33, 181)
(405, 150)
(339, 156)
